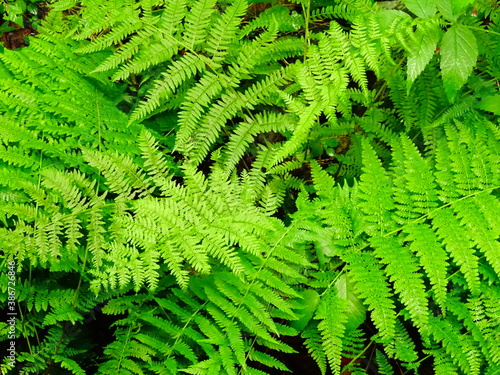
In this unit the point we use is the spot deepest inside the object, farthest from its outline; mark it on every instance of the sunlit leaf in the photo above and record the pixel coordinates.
(459, 55)
(421, 8)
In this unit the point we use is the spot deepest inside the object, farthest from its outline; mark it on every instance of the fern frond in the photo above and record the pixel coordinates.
(304, 125)
(119, 33)
(122, 175)
(376, 204)
(404, 348)
(197, 22)
(228, 106)
(339, 11)
(69, 364)
(459, 346)
(313, 343)
(246, 132)
(414, 185)
(192, 110)
(433, 258)
(402, 269)
(364, 36)
(332, 327)
(403, 102)
(224, 31)
(180, 70)
(432, 100)
(384, 368)
(357, 69)
(371, 285)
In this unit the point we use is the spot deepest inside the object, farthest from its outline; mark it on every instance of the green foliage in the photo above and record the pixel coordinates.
(459, 50)
(204, 179)
(16, 11)
(407, 231)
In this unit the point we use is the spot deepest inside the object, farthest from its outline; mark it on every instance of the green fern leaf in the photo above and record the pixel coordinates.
(458, 244)
(432, 257)
(313, 343)
(371, 285)
(179, 71)
(384, 368)
(69, 364)
(414, 185)
(197, 22)
(224, 31)
(332, 328)
(304, 125)
(402, 269)
(375, 193)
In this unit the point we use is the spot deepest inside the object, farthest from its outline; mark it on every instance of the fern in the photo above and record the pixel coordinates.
(332, 329)
(377, 194)
(207, 178)
(240, 300)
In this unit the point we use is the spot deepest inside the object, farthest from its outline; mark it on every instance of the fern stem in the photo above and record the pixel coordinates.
(420, 361)
(332, 282)
(255, 276)
(384, 85)
(179, 334)
(27, 337)
(123, 348)
(481, 29)
(360, 354)
(39, 184)
(98, 113)
(47, 372)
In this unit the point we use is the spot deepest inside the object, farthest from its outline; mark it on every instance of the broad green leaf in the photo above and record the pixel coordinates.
(491, 104)
(424, 45)
(458, 57)
(5, 27)
(386, 18)
(356, 310)
(388, 4)
(421, 8)
(446, 9)
(459, 5)
(15, 11)
(16, 7)
(308, 305)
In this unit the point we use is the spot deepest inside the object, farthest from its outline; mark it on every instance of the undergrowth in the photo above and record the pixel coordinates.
(190, 185)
